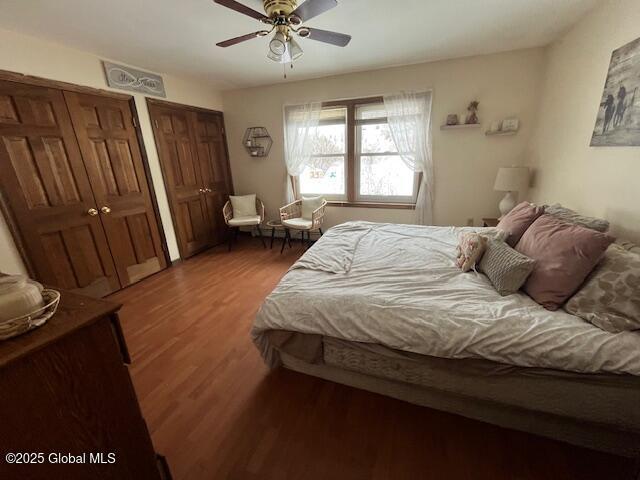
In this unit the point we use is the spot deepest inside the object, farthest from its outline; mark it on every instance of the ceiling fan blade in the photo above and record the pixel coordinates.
(313, 8)
(243, 38)
(334, 38)
(238, 7)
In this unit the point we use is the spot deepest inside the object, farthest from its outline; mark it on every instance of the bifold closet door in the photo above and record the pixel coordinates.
(214, 168)
(109, 145)
(46, 187)
(175, 140)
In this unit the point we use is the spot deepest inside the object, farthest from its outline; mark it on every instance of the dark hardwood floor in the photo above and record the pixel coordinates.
(217, 412)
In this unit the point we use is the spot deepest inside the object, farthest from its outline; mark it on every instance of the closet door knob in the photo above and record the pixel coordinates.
(208, 190)
(92, 212)
(105, 210)
(201, 190)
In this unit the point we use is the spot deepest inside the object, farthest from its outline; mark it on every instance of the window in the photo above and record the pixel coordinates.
(382, 175)
(354, 158)
(327, 171)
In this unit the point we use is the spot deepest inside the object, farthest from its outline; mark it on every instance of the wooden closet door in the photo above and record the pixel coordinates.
(178, 155)
(109, 145)
(214, 165)
(45, 185)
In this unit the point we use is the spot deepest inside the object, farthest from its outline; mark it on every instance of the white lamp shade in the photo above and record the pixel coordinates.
(512, 179)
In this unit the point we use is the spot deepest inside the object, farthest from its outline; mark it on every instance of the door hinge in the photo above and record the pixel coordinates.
(134, 121)
(155, 122)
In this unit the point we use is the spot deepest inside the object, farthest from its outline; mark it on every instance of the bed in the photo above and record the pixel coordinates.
(382, 307)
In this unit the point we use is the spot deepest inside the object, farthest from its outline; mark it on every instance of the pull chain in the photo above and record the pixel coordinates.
(284, 69)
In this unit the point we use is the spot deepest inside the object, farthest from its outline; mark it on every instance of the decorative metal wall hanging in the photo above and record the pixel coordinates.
(257, 141)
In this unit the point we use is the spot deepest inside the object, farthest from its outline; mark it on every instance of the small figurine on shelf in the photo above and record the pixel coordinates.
(472, 118)
(452, 119)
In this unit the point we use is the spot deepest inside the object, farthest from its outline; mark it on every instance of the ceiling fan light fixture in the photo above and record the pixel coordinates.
(278, 45)
(284, 58)
(303, 32)
(294, 50)
(274, 57)
(286, 17)
(294, 20)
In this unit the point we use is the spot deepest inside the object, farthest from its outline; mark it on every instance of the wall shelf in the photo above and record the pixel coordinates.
(500, 134)
(257, 142)
(460, 127)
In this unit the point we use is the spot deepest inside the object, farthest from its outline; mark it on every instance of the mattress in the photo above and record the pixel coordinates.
(397, 286)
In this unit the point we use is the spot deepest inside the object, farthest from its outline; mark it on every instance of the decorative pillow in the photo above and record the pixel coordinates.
(569, 216)
(309, 205)
(610, 298)
(506, 268)
(470, 248)
(564, 253)
(516, 222)
(243, 205)
(627, 245)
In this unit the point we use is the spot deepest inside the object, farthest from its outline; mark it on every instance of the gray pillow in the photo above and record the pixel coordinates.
(569, 216)
(506, 268)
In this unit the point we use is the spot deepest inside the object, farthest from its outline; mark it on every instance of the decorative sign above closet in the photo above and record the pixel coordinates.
(127, 78)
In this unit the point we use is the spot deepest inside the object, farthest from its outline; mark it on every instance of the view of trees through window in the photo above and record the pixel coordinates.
(325, 173)
(383, 173)
(380, 174)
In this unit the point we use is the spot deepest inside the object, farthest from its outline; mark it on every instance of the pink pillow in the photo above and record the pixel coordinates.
(516, 222)
(564, 253)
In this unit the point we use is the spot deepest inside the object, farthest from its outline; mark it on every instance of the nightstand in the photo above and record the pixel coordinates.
(490, 222)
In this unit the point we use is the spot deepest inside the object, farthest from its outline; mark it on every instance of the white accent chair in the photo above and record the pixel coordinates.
(235, 223)
(292, 218)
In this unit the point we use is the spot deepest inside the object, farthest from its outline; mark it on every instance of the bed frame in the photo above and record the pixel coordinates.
(582, 433)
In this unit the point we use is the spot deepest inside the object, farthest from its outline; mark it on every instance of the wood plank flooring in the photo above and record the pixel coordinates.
(217, 412)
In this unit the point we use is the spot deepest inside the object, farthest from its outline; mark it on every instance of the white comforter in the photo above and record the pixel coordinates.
(397, 285)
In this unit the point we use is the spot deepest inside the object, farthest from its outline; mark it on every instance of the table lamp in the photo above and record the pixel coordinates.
(512, 180)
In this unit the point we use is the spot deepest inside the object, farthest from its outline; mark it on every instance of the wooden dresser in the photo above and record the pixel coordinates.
(65, 391)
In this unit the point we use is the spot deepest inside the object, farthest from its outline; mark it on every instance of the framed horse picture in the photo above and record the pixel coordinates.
(618, 119)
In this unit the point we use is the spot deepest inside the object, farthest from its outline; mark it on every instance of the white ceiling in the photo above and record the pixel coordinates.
(179, 36)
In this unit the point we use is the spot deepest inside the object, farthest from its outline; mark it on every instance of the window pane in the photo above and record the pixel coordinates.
(385, 176)
(330, 139)
(324, 175)
(371, 110)
(333, 114)
(376, 138)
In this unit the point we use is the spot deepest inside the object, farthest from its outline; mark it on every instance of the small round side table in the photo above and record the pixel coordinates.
(274, 225)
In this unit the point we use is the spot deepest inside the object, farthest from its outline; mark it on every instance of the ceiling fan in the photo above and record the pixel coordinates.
(285, 17)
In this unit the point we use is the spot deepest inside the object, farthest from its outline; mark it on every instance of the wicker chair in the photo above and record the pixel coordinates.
(236, 222)
(291, 218)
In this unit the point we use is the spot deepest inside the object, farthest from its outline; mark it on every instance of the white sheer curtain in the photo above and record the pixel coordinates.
(409, 117)
(300, 128)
